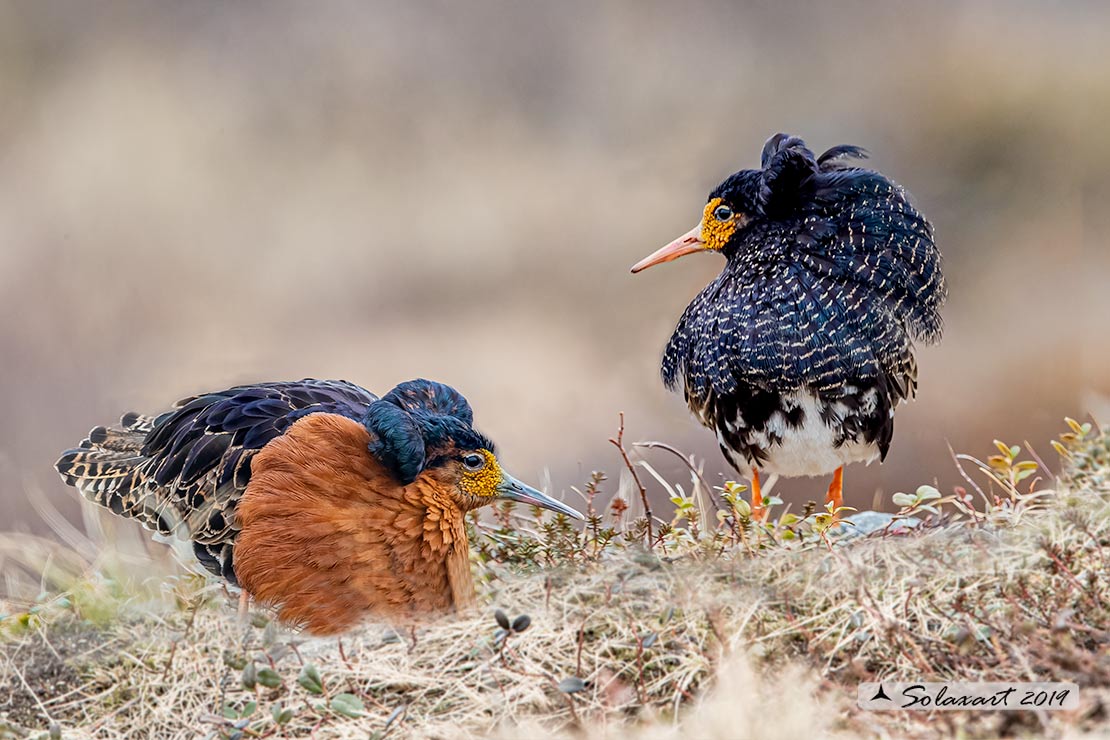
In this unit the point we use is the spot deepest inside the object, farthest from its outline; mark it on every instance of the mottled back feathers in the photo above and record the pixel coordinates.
(826, 287)
(835, 277)
(185, 471)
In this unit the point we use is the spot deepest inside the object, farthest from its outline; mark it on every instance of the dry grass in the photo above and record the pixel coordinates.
(767, 639)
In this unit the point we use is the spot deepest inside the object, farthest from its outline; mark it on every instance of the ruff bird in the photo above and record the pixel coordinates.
(315, 497)
(799, 352)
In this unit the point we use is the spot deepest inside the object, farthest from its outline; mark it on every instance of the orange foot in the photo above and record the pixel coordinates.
(835, 496)
(244, 606)
(758, 512)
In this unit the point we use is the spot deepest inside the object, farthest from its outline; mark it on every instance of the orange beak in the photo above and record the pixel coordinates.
(688, 243)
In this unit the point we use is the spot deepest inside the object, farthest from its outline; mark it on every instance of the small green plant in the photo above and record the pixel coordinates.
(923, 499)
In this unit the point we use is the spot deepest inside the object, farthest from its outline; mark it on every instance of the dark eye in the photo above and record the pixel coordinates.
(473, 461)
(722, 213)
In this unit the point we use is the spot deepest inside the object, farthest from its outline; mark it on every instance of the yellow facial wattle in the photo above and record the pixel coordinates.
(485, 481)
(714, 232)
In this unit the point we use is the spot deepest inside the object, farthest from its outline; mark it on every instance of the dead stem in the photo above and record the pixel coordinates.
(618, 442)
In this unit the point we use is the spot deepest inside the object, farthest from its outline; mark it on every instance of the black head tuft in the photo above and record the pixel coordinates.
(430, 396)
(783, 144)
(397, 440)
(443, 433)
(416, 422)
(833, 157)
(789, 169)
(789, 178)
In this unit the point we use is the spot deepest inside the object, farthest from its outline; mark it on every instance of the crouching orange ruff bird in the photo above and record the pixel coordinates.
(315, 497)
(798, 353)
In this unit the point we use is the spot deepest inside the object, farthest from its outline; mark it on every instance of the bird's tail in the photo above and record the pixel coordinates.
(107, 467)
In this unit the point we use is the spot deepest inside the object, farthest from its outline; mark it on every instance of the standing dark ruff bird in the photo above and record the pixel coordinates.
(315, 496)
(798, 353)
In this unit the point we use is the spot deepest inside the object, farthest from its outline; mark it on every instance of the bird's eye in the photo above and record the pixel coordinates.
(474, 461)
(722, 213)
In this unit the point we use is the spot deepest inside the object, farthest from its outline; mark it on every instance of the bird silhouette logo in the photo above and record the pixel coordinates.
(880, 694)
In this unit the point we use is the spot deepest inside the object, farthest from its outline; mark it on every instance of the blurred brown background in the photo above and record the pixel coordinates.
(198, 194)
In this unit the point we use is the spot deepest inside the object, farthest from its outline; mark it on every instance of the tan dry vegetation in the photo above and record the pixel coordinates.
(762, 643)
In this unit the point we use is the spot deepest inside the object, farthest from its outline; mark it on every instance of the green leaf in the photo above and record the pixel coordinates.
(904, 499)
(234, 661)
(309, 679)
(927, 493)
(250, 675)
(348, 705)
(281, 715)
(269, 678)
(269, 635)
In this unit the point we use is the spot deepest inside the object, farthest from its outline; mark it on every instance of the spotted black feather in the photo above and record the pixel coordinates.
(827, 285)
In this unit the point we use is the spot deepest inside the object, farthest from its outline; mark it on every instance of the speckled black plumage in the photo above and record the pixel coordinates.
(826, 287)
(184, 471)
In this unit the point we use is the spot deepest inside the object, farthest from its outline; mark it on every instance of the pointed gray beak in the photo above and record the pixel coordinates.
(514, 490)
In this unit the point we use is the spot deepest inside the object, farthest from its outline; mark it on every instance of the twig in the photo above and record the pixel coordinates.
(1048, 549)
(578, 652)
(184, 636)
(966, 477)
(687, 461)
(31, 692)
(711, 617)
(640, 691)
(342, 654)
(1094, 424)
(619, 444)
(1039, 461)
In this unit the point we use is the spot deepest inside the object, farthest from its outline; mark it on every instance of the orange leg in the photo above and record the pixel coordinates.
(835, 496)
(758, 512)
(244, 606)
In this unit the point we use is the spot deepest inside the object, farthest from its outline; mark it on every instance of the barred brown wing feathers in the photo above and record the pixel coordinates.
(184, 471)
